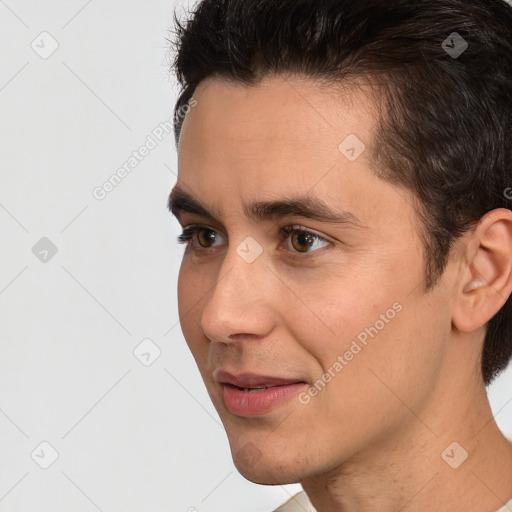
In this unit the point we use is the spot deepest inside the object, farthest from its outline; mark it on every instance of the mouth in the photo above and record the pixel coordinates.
(255, 395)
(252, 390)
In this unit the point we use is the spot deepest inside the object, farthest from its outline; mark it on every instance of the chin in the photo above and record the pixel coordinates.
(267, 475)
(262, 465)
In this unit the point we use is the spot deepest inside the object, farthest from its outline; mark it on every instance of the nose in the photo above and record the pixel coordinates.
(240, 304)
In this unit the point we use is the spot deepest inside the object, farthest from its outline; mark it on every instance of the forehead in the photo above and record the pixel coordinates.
(280, 129)
(241, 144)
(287, 116)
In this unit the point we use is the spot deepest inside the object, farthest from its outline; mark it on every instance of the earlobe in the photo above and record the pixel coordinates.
(486, 281)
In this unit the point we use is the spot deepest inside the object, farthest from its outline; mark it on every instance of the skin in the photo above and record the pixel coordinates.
(373, 437)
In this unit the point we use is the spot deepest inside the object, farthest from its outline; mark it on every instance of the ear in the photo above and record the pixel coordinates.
(485, 278)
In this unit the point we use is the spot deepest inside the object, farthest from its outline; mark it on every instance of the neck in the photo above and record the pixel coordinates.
(416, 469)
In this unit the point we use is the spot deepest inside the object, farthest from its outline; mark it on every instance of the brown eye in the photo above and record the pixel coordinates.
(302, 241)
(198, 237)
(205, 236)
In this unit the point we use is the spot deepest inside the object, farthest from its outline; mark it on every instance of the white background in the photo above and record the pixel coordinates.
(128, 437)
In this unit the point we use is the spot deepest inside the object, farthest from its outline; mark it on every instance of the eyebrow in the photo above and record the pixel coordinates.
(305, 206)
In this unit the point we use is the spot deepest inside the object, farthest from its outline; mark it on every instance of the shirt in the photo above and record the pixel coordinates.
(301, 503)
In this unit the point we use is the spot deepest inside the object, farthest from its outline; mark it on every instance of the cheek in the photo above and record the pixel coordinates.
(184, 290)
(375, 384)
(340, 312)
(190, 291)
(192, 288)
(395, 354)
(407, 357)
(373, 321)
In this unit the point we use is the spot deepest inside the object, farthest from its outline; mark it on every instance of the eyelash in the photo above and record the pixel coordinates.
(189, 232)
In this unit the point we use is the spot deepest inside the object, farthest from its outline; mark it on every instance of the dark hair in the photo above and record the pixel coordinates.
(444, 129)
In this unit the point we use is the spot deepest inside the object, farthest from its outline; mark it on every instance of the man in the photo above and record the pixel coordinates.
(345, 190)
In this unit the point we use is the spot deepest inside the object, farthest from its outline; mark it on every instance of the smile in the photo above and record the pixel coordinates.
(255, 395)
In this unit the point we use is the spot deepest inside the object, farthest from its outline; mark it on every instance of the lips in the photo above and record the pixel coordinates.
(252, 381)
(250, 394)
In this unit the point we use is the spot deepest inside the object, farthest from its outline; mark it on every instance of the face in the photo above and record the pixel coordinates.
(305, 330)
